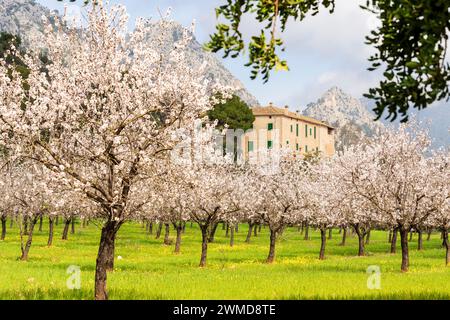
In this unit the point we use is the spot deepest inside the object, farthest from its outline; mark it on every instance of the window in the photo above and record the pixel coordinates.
(314, 132)
(296, 129)
(310, 131)
(296, 146)
(270, 126)
(317, 149)
(306, 148)
(292, 128)
(287, 141)
(269, 144)
(306, 130)
(250, 146)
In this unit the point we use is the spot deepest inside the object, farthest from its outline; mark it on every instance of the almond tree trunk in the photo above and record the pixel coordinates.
(273, 240)
(179, 229)
(446, 245)
(368, 237)
(360, 235)
(428, 235)
(51, 221)
(213, 232)
(159, 230)
(166, 234)
(26, 248)
(3, 228)
(227, 232)
(255, 230)
(330, 234)
(323, 238)
(232, 230)
(72, 231)
(205, 238)
(66, 229)
(150, 228)
(419, 240)
(104, 257)
(40, 224)
(394, 240)
(405, 253)
(344, 237)
(306, 237)
(249, 233)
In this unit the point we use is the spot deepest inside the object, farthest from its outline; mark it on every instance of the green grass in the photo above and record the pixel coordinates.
(150, 270)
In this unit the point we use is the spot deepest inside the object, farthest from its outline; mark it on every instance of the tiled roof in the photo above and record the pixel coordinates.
(274, 111)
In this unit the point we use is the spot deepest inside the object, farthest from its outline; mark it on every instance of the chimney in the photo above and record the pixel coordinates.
(286, 107)
(271, 104)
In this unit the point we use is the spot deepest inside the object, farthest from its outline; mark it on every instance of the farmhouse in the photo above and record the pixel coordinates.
(281, 128)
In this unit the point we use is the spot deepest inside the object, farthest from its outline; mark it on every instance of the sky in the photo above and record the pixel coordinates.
(322, 51)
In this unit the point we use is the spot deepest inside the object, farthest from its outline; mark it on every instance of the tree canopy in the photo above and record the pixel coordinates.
(234, 112)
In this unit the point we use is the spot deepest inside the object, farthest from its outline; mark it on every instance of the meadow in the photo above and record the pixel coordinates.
(148, 269)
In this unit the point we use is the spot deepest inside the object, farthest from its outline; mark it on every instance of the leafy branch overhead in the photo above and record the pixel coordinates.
(411, 45)
(262, 48)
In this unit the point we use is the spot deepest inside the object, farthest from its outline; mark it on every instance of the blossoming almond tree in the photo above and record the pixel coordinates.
(102, 110)
(395, 180)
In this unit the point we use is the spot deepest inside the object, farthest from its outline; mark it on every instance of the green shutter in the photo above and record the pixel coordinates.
(287, 141)
(296, 146)
(306, 148)
(269, 144)
(292, 128)
(250, 146)
(314, 132)
(306, 130)
(297, 129)
(270, 126)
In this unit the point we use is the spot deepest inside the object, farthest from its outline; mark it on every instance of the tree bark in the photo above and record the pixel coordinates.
(306, 237)
(73, 226)
(3, 228)
(330, 234)
(40, 224)
(249, 233)
(323, 237)
(213, 232)
(428, 235)
(255, 230)
(273, 240)
(166, 234)
(360, 233)
(446, 244)
(150, 228)
(419, 240)
(205, 238)
(394, 240)
(232, 230)
(158, 231)
(368, 237)
(104, 258)
(344, 236)
(227, 232)
(51, 221)
(405, 254)
(26, 249)
(179, 229)
(11, 223)
(25, 224)
(66, 228)
(390, 236)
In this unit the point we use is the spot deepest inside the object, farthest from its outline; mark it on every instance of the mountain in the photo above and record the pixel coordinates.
(350, 116)
(24, 18)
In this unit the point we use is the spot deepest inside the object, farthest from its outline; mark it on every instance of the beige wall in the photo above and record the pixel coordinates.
(323, 139)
